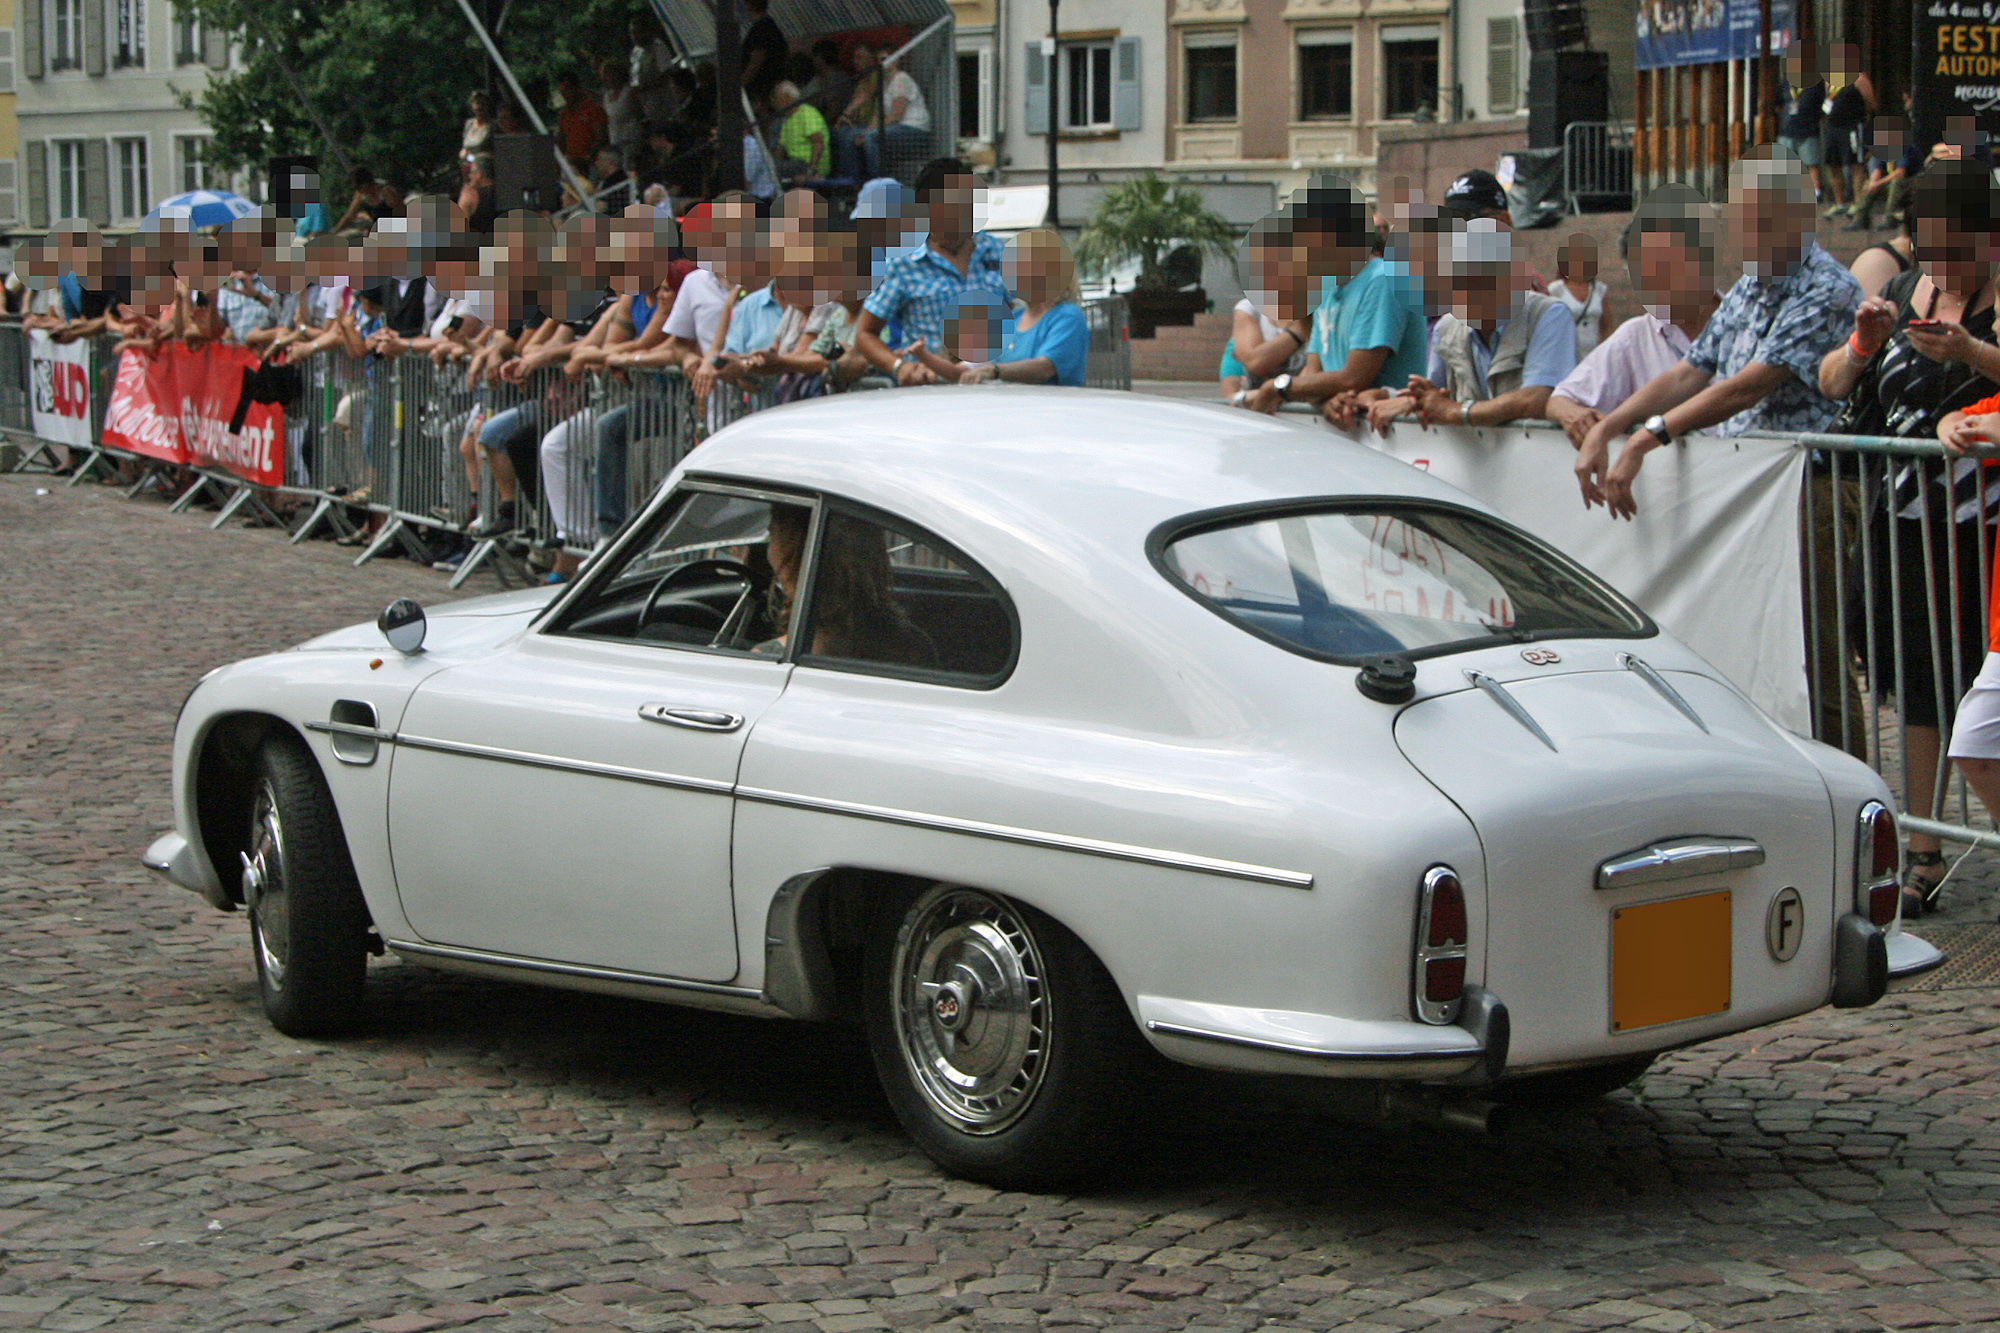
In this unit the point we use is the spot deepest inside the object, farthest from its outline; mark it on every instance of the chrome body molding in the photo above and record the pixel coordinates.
(578, 976)
(1644, 671)
(1060, 842)
(1499, 694)
(175, 860)
(350, 729)
(1680, 858)
(1452, 1064)
(533, 759)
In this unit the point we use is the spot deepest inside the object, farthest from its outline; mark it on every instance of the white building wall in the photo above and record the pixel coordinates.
(1022, 150)
(1475, 19)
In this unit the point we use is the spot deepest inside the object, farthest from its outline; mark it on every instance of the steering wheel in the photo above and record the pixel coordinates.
(699, 571)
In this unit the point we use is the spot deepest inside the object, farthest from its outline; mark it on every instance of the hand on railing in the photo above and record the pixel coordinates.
(1383, 411)
(1576, 420)
(1960, 432)
(1349, 407)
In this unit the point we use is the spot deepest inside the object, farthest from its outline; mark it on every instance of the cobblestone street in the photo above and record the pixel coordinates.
(504, 1158)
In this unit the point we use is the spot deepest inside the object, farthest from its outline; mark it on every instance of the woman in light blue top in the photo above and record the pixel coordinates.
(1049, 340)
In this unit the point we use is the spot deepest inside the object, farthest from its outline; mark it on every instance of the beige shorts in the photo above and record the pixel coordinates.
(1976, 733)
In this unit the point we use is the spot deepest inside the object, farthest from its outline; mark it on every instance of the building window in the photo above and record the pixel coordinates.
(135, 180)
(188, 38)
(1409, 71)
(66, 178)
(1503, 64)
(1326, 74)
(975, 93)
(194, 172)
(1086, 93)
(1211, 76)
(128, 35)
(66, 36)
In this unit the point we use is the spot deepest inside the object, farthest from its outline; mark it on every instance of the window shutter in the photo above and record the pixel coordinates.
(31, 37)
(35, 153)
(1035, 90)
(93, 36)
(96, 182)
(215, 47)
(987, 112)
(6, 60)
(1503, 78)
(10, 207)
(1125, 84)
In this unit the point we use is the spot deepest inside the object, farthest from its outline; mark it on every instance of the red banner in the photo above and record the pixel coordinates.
(175, 405)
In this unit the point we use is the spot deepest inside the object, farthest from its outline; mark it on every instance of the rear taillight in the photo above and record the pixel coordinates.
(1442, 934)
(1878, 863)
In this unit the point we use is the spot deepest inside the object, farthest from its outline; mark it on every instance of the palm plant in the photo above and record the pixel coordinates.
(1145, 218)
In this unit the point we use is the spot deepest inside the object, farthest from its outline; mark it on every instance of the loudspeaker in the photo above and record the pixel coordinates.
(525, 174)
(1566, 86)
(295, 185)
(1556, 24)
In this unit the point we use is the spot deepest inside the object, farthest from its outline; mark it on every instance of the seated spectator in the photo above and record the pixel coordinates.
(861, 114)
(1499, 353)
(1897, 161)
(831, 87)
(1577, 287)
(760, 174)
(919, 291)
(1049, 339)
(1756, 365)
(1259, 346)
(581, 125)
(802, 142)
(373, 200)
(1670, 250)
(1478, 194)
(609, 181)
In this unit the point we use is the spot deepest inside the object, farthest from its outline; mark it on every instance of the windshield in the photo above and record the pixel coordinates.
(1410, 579)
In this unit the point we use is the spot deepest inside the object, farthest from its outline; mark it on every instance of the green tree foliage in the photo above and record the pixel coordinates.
(389, 77)
(1145, 218)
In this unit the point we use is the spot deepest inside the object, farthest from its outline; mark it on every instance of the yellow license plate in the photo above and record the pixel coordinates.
(1669, 961)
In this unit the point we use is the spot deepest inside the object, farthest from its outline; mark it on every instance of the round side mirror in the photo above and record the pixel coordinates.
(402, 624)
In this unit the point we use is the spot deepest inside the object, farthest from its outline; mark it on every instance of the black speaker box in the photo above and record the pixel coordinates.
(295, 185)
(1555, 24)
(525, 174)
(1563, 87)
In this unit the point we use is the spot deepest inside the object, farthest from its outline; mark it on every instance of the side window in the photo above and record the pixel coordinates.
(893, 600)
(720, 571)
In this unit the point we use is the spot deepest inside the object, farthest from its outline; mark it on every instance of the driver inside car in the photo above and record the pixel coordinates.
(856, 615)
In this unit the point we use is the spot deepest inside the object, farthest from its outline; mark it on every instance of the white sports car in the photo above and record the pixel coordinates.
(1037, 728)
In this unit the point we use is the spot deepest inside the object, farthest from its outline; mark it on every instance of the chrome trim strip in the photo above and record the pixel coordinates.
(534, 760)
(1680, 858)
(1061, 842)
(1644, 671)
(350, 729)
(1497, 692)
(518, 963)
(1285, 1048)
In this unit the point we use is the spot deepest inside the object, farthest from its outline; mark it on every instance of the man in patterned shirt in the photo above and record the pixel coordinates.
(1756, 366)
(922, 290)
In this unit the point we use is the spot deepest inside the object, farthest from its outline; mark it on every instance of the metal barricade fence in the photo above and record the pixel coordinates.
(1109, 361)
(1597, 165)
(14, 378)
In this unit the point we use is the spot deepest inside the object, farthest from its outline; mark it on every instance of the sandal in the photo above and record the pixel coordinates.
(1920, 892)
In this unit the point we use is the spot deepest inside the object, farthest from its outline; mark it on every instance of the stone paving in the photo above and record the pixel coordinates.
(502, 1158)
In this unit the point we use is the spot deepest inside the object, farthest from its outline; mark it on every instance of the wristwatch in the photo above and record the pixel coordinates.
(1656, 426)
(1283, 384)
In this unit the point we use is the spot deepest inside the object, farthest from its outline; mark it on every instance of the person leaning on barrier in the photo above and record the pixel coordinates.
(1975, 736)
(1500, 352)
(1259, 346)
(1048, 340)
(1670, 251)
(1756, 365)
(920, 290)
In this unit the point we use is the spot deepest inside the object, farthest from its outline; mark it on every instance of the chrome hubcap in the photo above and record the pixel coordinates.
(972, 1012)
(264, 890)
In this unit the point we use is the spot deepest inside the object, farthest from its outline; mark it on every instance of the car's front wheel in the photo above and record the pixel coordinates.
(308, 921)
(1003, 1045)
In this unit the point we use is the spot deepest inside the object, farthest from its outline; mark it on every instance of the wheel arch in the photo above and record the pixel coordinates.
(223, 789)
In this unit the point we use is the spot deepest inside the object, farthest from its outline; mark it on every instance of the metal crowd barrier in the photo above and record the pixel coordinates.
(1109, 363)
(1597, 165)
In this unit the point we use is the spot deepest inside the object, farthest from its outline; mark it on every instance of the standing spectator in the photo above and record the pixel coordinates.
(1577, 287)
(1875, 267)
(764, 52)
(831, 86)
(1499, 353)
(1670, 249)
(581, 125)
(624, 127)
(373, 200)
(477, 196)
(1478, 194)
(920, 290)
(478, 134)
(803, 147)
(1259, 346)
(609, 181)
(1049, 342)
(1804, 105)
(651, 58)
(905, 131)
(1846, 121)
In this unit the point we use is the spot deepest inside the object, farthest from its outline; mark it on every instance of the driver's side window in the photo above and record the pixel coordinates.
(719, 573)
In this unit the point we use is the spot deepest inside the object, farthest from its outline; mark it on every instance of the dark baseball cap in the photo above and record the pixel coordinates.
(1475, 192)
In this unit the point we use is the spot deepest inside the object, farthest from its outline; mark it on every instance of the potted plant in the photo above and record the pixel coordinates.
(1164, 229)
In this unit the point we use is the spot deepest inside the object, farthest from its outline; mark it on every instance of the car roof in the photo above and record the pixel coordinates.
(1036, 458)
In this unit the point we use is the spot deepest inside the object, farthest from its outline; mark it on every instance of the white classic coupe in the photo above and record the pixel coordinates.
(1044, 730)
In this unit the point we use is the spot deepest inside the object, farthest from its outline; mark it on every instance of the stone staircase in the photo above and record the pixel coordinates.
(1187, 352)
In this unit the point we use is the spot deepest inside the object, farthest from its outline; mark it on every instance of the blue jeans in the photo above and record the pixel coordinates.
(613, 433)
(906, 147)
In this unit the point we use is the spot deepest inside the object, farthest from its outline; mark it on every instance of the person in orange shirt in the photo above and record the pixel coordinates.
(1975, 740)
(583, 126)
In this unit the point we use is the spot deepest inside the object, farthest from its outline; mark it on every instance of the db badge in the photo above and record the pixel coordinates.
(1540, 656)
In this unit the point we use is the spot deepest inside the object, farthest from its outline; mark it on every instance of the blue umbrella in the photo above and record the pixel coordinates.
(199, 208)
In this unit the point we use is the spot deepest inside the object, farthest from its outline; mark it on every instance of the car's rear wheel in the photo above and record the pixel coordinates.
(308, 921)
(1003, 1045)
(1572, 1087)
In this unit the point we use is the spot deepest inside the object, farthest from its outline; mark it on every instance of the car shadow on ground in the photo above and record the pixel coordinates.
(1262, 1143)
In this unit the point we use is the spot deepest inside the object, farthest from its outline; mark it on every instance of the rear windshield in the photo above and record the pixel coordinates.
(1413, 579)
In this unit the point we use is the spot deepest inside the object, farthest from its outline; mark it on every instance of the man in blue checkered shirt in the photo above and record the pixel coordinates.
(922, 290)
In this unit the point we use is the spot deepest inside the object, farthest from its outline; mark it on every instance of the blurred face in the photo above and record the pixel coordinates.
(1772, 225)
(974, 332)
(1580, 258)
(860, 58)
(1030, 269)
(1959, 261)
(1481, 299)
(204, 268)
(1669, 273)
(949, 207)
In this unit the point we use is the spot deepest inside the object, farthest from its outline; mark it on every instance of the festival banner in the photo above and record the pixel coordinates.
(1955, 66)
(176, 405)
(1706, 32)
(59, 389)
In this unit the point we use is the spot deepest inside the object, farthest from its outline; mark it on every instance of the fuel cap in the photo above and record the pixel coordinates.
(1388, 679)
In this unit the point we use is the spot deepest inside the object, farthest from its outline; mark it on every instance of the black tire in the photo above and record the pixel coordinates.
(1064, 1119)
(1572, 1087)
(308, 922)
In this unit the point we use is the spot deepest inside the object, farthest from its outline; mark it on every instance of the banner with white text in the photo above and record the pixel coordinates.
(59, 389)
(176, 405)
(1713, 554)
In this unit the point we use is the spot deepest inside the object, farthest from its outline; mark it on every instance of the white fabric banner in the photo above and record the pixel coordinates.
(1713, 554)
(59, 389)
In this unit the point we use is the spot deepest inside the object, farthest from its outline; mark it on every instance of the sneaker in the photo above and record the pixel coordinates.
(450, 564)
(499, 525)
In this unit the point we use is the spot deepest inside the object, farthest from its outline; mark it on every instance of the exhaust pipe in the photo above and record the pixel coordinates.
(1440, 1108)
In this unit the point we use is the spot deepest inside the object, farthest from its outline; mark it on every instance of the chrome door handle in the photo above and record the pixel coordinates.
(1679, 858)
(695, 719)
